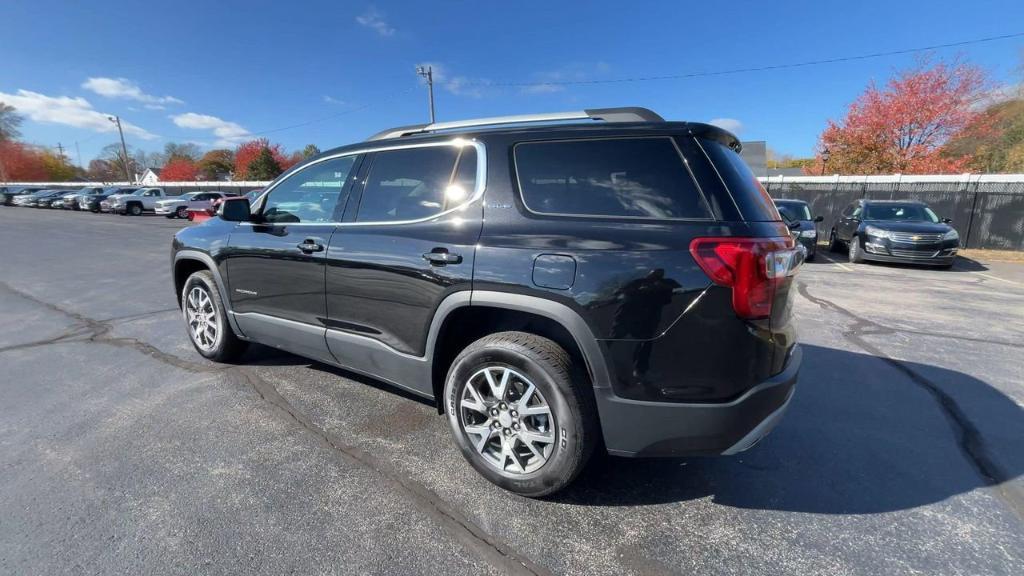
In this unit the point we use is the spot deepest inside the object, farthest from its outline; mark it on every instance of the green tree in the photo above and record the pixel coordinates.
(216, 165)
(264, 166)
(57, 167)
(309, 151)
(10, 121)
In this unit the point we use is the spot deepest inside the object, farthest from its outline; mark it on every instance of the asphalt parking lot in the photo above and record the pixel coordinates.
(124, 451)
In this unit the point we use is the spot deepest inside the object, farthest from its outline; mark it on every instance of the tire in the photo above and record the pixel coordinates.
(181, 212)
(569, 426)
(169, 216)
(810, 257)
(833, 242)
(134, 210)
(854, 253)
(224, 346)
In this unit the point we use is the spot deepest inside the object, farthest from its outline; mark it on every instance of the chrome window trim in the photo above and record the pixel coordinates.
(675, 146)
(478, 187)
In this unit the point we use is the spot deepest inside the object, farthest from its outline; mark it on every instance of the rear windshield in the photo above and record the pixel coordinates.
(613, 177)
(751, 198)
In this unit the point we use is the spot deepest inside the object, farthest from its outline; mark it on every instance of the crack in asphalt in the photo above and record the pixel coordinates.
(969, 438)
(457, 525)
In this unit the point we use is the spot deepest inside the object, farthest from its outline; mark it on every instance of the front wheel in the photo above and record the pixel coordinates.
(207, 321)
(521, 412)
(182, 212)
(855, 255)
(135, 210)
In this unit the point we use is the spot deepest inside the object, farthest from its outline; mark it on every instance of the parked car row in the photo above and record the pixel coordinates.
(900, 231)
(132, 201)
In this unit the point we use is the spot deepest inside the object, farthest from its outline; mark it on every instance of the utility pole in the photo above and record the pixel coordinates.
(79, 154)
(61, 149)
(124, 149)
(428, 73)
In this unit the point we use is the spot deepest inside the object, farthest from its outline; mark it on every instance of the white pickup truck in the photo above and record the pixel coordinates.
(134, 204)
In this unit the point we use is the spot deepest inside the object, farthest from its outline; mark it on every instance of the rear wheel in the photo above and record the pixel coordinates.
(833, 242)
(521, 413)
(207, 321)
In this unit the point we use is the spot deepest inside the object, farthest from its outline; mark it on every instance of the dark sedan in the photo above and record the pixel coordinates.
(56, 200)
(803, 225)
(895, 231)
(32, 200)
(92, 202)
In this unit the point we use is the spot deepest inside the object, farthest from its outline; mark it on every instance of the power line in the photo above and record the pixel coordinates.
(749, 69)
(387, 98)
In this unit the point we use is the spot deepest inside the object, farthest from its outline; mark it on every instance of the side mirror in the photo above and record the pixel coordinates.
(947, 220)
(819, 218)
(235, 210)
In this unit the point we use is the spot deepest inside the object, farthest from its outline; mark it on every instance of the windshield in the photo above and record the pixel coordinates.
(794, 210)
(900, 212)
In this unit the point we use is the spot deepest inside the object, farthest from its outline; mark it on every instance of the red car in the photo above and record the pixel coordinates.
(201, 214)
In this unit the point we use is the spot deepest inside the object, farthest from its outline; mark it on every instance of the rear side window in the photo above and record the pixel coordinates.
(415, 183)
(750, 196)
(618, 178)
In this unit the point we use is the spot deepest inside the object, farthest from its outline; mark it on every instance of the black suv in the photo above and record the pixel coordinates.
(622, 284)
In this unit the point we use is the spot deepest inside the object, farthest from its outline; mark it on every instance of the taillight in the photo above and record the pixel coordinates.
(752, 267)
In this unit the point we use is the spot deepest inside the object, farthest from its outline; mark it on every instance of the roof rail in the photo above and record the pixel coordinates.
(627, 114)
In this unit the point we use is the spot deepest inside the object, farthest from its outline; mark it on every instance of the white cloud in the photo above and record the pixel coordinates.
(227, 133)
(331, 100)
(125, 89)
(553, 80)
(374, 20)
(458, 85)
(77, 112)
(731, 124)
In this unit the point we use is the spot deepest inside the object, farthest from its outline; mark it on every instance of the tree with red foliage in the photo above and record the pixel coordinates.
(19, 162)
(179, 169)
(903, 127)
(247, 152)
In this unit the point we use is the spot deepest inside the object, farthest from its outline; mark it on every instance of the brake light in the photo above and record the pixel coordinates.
(752, 267)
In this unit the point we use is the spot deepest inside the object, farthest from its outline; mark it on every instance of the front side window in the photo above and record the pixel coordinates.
(313, 194)
(625, 177)
(416, 183)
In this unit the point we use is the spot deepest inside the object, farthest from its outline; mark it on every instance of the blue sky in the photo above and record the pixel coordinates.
(217, 73)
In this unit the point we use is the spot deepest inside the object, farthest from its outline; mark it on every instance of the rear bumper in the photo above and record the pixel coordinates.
(642, 428)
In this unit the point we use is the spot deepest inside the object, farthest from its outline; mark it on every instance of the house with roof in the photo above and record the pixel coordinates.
(150, 177)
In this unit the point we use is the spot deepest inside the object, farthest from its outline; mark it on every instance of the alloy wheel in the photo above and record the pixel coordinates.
(507, 420)
(202, 319)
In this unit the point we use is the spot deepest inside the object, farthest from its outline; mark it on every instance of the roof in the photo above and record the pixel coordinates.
(550, 130)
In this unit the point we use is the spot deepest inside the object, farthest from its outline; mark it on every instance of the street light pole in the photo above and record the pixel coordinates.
(824, 160)
(124, 149)
(428, 73)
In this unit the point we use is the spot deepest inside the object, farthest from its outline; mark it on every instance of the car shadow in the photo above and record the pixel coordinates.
(858, 438)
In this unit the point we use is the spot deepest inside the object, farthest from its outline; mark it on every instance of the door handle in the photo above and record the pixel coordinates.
(441, 257)
(310, 245)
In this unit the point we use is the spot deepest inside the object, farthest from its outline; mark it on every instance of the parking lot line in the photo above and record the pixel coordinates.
(843, 266)
(998, 278)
